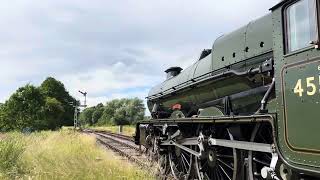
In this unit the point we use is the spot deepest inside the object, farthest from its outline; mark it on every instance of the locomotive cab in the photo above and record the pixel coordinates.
(296, 52)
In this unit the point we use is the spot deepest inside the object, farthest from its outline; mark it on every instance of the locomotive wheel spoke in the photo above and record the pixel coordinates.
(180, 163)
(225, 173)
(224, 156)
(163, 166)
(261, 162)
(218, 163)
(258, 160)
(224, 163)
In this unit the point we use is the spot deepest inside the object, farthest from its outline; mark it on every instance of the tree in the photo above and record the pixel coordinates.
(24, 109)
(37, 108)
(119, 112)
(109, 111)
(136, 110)
(120, 116)
(55, 89)
(5, 123)
(53, 110)
(86, 116)
(96, 115)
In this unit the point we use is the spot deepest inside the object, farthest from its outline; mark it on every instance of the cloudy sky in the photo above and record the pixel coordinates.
(110, 48)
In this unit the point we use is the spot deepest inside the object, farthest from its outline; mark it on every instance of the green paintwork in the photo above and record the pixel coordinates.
(234, 42)
(297, 120)
(251, 36)
(298, 116)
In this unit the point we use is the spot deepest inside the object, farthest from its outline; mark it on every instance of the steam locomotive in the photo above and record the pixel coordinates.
(248, 108)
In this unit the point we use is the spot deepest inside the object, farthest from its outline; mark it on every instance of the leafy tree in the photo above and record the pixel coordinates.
(136, 110)
(55, 89)
(118, 112)
(96, 115)
(86, 116)
(99, 106)
(109, 111)
(120, 116)
(53, 112)
(5, 123)
(37, 108)
(24, 109)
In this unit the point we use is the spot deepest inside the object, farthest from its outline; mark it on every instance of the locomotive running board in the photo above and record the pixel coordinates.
(244, 145)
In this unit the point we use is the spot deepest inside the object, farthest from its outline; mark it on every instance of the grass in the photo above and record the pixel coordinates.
(128, 130)
(61, 155)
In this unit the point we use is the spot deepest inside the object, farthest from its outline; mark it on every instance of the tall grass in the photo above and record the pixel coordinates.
(11, 150)
(65, 155)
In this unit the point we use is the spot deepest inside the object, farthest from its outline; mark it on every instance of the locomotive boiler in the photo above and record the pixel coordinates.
(247, 108)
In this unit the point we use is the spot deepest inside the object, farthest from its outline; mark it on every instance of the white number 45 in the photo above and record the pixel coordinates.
(311, 87)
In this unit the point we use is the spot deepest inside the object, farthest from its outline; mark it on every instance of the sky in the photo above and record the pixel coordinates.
(110, 48)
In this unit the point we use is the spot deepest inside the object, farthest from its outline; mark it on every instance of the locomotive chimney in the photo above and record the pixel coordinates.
(173, 71)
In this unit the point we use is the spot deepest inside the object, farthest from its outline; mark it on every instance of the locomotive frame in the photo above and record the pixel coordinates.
(203, 127)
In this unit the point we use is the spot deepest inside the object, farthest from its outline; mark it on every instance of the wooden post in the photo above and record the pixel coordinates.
(120, 129)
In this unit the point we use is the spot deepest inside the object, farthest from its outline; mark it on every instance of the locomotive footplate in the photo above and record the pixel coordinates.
(214, 119)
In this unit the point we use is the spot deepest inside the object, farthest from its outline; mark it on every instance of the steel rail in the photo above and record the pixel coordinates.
(111, 137)
(123, 153)
(125, 137)
(136, 155)
(121, 146)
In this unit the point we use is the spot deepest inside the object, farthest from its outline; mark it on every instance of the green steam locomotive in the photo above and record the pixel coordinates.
(248, 108)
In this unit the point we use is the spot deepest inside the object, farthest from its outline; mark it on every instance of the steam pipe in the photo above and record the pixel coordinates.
(266, 96)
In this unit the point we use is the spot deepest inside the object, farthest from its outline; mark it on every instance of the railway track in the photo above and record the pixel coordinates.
(123, 145)
(121, 136)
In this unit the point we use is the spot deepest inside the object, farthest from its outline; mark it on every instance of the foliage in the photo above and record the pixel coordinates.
(24, 109)
(55, 89)
(11, 149)
(50, 106)
(62, 155)
(86, 115)
(53, 113)
(96, 115)
(116, 112)
(37, 108)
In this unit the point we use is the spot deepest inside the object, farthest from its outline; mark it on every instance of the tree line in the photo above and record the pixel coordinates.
(50, 106)
(115, 112)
